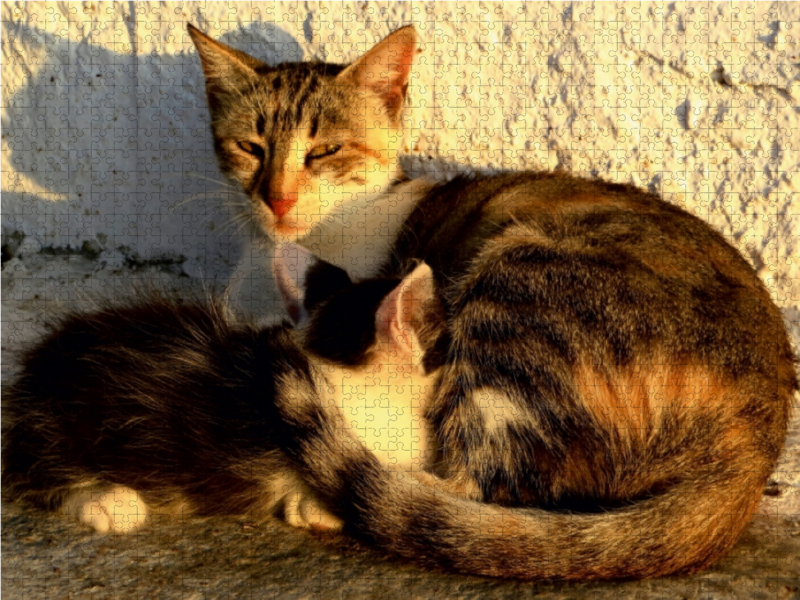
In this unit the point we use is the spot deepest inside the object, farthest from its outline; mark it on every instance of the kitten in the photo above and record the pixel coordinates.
(613, 379)
(168, 407)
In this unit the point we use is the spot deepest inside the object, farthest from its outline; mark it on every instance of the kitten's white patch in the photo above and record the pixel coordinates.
(384, 405)
(118, 510)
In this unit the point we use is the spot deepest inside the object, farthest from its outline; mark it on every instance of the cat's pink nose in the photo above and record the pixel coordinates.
(280, 206)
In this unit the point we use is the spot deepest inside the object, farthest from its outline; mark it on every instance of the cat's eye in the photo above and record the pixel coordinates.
(251, 148)
(323, 150)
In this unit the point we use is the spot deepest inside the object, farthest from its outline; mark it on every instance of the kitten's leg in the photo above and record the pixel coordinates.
(301, 508)
(307, 512)
(115, 510)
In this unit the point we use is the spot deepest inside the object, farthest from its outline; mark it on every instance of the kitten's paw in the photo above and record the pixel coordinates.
(119, 510)
(306, 512)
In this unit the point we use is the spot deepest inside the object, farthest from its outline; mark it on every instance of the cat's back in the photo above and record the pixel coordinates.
(607, 259)
(472, 215)
(119, 348)
(589, 326)
(611, 274)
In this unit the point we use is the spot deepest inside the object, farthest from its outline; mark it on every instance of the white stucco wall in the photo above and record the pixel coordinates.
(105, 143)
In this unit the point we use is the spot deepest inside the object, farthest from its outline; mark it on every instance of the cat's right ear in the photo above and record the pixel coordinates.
(386, 68)
(225, 68)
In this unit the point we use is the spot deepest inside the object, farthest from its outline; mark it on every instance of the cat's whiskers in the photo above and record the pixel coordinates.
(230, 195)
(243, 220)
(233, 198)
(209, 195)
(221, 182)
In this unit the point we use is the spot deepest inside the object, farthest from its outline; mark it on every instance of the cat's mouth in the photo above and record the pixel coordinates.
(282, 225)
(277, 219)
(286, 228)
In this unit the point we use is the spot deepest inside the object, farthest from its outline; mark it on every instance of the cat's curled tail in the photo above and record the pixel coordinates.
(412, 514)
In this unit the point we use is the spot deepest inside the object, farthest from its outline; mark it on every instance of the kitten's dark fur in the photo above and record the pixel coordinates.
(604, 358)
(166, 406)
(170, 398)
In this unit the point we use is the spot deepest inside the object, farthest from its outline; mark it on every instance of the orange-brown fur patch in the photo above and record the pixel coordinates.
(634, 400)
(522, 200)
(313, 196)
(383, 145)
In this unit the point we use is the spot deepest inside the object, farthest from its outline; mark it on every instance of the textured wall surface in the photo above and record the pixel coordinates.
(106, 148)
(108, 174)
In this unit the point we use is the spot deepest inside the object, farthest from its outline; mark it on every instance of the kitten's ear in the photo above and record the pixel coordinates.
(386, 68)
(223, 66)
(304, 280)
(400, 314)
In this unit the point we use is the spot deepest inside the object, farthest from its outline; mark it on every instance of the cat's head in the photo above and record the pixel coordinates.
(351, 324)
(304, 139)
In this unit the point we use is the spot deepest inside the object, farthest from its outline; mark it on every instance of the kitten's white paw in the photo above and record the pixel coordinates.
(306, 512)
(119, 510)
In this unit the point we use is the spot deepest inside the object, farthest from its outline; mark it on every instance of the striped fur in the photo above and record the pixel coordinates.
(614, 390)
(614, 382)
(171, 399)
(304, 139)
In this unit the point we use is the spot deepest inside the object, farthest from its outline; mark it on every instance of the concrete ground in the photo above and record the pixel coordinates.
(47, 557)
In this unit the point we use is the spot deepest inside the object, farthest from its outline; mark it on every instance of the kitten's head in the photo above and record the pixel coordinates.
(369, 322)
(303, 139)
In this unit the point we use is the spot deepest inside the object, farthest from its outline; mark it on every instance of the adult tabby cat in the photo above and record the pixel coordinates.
(163, 406)
(613, 380)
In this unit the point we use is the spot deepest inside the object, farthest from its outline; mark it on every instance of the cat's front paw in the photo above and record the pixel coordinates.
(119, 510)
(301, 510)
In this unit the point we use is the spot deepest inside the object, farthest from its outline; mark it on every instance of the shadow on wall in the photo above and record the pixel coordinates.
(109, 154)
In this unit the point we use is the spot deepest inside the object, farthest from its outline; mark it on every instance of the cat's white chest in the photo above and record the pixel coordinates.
(358, 237)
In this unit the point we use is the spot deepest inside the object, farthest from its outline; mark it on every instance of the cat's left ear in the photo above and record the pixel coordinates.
(401, 314)
(386, 68)
(304, 280)
(224, 67)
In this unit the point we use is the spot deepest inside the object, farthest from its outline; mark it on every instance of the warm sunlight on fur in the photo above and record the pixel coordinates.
(363, 169)
(117, 510)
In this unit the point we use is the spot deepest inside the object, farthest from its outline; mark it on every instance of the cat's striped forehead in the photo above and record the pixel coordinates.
(296, 96)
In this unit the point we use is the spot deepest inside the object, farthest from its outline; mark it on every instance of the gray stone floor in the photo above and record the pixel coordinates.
(46, 556)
